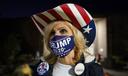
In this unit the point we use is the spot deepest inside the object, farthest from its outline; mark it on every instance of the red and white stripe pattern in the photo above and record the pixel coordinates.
(71, 12)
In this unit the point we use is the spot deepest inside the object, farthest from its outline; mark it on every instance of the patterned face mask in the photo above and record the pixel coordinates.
(62, 45)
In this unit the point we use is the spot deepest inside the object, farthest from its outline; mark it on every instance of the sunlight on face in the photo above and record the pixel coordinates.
(61, 28)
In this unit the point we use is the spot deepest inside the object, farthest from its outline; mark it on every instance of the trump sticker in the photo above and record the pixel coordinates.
(42, 68)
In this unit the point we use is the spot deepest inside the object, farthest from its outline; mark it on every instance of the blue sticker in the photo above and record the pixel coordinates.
(42, 68)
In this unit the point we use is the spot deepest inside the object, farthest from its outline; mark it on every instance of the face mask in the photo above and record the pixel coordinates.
(61, 45)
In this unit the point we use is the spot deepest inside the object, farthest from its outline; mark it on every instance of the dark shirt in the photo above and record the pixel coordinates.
(91, 69)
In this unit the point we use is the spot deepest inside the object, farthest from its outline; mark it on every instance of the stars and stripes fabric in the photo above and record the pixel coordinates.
(74, 13)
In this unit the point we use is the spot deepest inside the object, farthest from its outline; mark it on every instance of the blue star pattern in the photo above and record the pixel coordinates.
(88, 29)
(89, 32)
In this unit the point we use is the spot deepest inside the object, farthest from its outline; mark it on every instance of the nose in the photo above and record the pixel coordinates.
(57, 33)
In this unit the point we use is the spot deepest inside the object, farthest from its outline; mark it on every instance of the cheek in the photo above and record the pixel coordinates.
(70, 33)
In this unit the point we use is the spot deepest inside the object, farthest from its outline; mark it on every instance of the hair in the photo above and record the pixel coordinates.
(80, 41)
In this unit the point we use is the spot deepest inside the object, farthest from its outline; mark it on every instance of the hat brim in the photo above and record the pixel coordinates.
(74, 13)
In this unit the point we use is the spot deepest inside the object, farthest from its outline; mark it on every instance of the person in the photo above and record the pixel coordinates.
(98, 58)
(23, 70)
(68, 32)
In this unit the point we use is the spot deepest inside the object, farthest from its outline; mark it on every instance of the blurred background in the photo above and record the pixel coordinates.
(21, 41)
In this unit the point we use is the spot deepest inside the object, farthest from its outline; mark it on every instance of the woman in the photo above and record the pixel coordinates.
(69, 31)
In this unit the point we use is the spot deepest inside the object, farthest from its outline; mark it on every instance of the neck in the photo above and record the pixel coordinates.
(69, 59)
(63, 61)
(66, 61)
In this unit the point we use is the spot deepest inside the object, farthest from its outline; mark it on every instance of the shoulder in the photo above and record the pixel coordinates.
(94, 69)
(90, 63)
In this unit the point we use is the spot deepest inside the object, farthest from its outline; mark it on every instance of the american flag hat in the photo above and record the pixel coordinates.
(74, 13)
